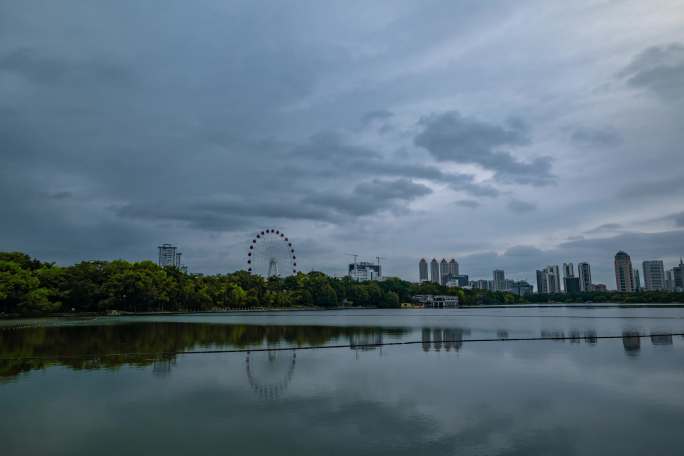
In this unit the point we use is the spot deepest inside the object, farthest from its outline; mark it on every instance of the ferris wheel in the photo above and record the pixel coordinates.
(271, 254)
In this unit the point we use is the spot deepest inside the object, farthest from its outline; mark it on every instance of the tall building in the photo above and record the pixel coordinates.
(423, 270)
(541, 283)
(568, 270)
(584, 272)
(168, 255)
(443, 272)
(624, 274)
(452, 269)
(521, 288)
(571, 284)
(499, 280)
(548, 280)
(678, 276)
(637, 280)
(669, 280)
(654, 275)
(434, 271)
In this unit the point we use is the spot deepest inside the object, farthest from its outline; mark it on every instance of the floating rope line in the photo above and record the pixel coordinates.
(321, 347)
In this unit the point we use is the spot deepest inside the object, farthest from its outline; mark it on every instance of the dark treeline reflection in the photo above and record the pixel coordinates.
(143, 344)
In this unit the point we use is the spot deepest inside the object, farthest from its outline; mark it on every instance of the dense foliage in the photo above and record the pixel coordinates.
(642, 297)
(28, 286)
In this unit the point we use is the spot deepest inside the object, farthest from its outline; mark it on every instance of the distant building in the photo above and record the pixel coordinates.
(548, 280)
(601, 287)
(669, 280)
(365, 271)
(481, 284)
(637, 280)
(457, 280)
(423, 270)
(584, 272)
(624, 274)
(571, 284)
(499, 280)
(169, 256)
(521, 288)
(443, 272)
(434, 271)
(654, 275)
(678, 276)
(568, 270)
(452, 268)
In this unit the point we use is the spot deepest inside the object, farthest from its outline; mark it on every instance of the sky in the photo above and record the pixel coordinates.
(507, 135)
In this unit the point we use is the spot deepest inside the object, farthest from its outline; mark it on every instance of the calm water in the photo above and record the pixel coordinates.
(115, 386)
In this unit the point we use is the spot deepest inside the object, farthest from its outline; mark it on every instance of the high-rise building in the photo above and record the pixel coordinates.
(624, 274)
(669, 280)
(637, 280)
(584, 272)
(678, 276)
(654, 275)
(499, 280)
(568, 270)
(434, 271)
(168, 255)
(443, 272)
(423, 270)
(542, 288)
(521, 288)
(571, 284)
(452, 269)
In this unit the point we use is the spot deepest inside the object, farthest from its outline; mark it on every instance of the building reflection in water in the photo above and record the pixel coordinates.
(632, 342)
(443, 338)
(661, 339)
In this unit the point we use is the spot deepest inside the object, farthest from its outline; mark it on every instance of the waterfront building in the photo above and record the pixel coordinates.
(678, 276)
(436, 301)
(571, 284)
(365, 271)
(458, 280)
(434, 271)
(541, 283)
(443, 272)
(423, 270)
(637, 280)
(654, 275)
(499, 280)
(584, 272)
(624, 274)
(669, 280)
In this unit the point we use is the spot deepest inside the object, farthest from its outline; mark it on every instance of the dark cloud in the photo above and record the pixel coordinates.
(521, 207)
(659, 69)
(595, 137)
(453, 137)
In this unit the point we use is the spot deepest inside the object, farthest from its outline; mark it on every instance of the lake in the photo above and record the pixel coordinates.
(588, 380)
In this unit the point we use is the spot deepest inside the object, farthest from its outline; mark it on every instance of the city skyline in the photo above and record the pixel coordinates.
(380, 135)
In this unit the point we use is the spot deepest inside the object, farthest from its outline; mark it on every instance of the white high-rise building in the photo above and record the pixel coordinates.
(168, 255)
(443, 272)
(584, 271)
(654, 275)
(568, 270)
(453, 267)
(423, 270)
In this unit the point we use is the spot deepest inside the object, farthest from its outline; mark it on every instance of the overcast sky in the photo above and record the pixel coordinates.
(505, 134)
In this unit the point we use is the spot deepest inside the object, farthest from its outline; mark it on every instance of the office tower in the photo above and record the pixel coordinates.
(434, 271)
(568, 270)
(654, 275)
(423, 270)
(669, 280)
(584, 272)
(453, 268)
(499, 283)
(168, 255)
(624, 274)
(552, 278)
(542, 288)
(443, 272)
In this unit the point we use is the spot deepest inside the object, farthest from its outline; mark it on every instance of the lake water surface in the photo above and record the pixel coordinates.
(120, 385)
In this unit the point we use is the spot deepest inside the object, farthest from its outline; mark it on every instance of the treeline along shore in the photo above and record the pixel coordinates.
(32, 287)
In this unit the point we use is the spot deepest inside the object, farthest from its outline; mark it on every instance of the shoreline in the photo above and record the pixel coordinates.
(261, 310)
